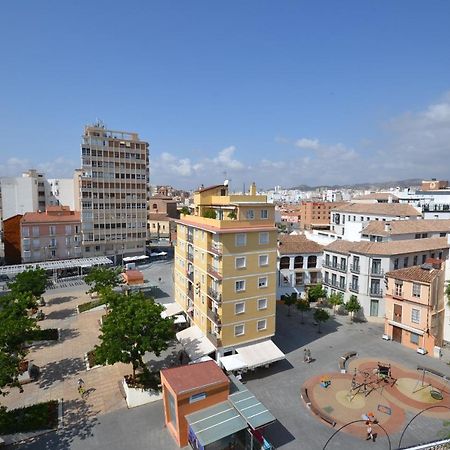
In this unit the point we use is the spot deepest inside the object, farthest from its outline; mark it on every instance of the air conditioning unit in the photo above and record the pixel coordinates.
(422, 351)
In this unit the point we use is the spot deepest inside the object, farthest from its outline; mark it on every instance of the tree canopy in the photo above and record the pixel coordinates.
(101, 278)
(289, 300)
(335, 300)
(353, 305)
(15, 326)
(320, 315)
(133, 327)
(32, 281)
(303, 306)
(315, 293)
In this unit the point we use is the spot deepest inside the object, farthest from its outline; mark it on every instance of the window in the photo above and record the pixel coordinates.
(398, 288)
(261, 325)
(263, 260)
(312, 262)
(405, 261)
(197, 397)
(35, 231)
(299, 278)
(285, 262)
(239, 308)
(327, 259)
(424, 258)
(68, 229)
(414, 338)
(416, 290)
(298, 262)
(415, 315)
(264, 214)
(240, 286)
(52, 230)
(415, 261)
(25, 232)
(262, 303)
(240, 262)
(264, 237)
(240, 239)
(250, 214)
(262, 282)
(239, 330)
(395, 263)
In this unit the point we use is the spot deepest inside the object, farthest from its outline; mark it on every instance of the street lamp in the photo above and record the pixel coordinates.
(356, 421)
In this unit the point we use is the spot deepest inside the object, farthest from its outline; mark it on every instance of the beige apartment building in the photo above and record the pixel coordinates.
(111, 189)
(415, 306)
(225, 276)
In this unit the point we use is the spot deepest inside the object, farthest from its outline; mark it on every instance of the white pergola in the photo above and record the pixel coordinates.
(55, 265)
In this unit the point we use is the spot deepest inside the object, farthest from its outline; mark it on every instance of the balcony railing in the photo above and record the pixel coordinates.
(216, 249)
(339, 267)
(335, 285)
(376, 292)
(353, 287)
(190, 238)
(355, 268)
(376, 272)
(190, 257)
(214, 317)
(214, 272)
(190, 294)
(190, 275)
(215, 295)
(52, 245)
(215, 339)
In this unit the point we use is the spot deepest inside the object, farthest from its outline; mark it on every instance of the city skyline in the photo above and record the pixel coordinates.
(280, 94)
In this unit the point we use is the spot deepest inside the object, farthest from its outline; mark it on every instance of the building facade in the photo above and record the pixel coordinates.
(111, 188)
(315, 214)
(162, 210)
(299, 265)
(358, 268)
(415, 306)
(225, 267)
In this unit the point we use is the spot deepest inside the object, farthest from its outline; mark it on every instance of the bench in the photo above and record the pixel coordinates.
(325, 417)
(305, 398)
(343, 360)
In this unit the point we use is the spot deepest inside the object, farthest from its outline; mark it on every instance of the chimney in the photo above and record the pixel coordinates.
(253, 189)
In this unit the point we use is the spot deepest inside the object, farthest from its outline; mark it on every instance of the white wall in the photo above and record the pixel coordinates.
(64, 191)
(19, 195)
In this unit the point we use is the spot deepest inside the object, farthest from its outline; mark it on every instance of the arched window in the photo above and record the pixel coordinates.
(155, 206)
(312, 262)
(298, 262)
(284, 262)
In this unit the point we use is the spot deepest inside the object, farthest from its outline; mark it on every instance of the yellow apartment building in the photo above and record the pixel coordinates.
(225, 277)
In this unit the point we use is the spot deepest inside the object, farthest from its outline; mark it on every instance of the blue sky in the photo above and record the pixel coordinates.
(285, 93)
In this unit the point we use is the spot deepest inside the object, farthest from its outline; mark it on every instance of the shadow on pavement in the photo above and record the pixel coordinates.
(79, 420)
(60, 314)
(278, 434)
(60, 300)
(273, 369)
(156, 292)
(58, 370)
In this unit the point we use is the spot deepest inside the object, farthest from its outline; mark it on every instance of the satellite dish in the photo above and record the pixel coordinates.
(225, 183)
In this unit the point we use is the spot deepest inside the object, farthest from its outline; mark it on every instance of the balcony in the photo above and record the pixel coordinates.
(354, 268)
(190, 294)
(214, 317)
(190, 276)
(353, 288)
(216, 249)
(190, 257)
(215, 295)
(376, 292)
(334, 284)
(339, 267)
(214, 272)
(52, 245)
(215, 339)
(190, 238)
(376, 272)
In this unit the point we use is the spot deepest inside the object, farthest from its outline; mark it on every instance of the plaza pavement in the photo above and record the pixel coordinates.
(278, 388)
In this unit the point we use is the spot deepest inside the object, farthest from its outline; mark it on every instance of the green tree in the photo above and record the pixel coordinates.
(33, 282)
(185, 210)
(100, 279)
(353, 306)
(335, 300)
(133, 327)
(290, 300)
(15, 326)
(303, 306)
(315, 293)
(320, 315)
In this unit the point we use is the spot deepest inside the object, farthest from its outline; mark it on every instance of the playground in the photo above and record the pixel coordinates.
(379, 391)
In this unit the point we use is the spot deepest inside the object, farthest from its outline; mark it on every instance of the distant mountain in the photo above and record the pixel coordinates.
(363, 186)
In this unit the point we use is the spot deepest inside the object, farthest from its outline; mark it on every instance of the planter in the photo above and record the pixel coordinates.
(137, 397)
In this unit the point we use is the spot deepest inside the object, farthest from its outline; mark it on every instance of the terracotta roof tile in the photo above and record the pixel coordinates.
(414, 273)
(293, 244)
(400, 247)
(194, 376)
(340, 246)
(407, 226)
(383, 209)
(376, 196)
(36, 217)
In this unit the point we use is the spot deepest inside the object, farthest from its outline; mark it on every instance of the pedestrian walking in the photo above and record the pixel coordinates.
(81, 388)
(305, 355)
(308, 355)
(369, 432)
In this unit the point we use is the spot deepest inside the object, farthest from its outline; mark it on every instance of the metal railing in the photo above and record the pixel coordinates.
(355, 268)
(353, 287)
(215, 339)
(376, 292)
(214, 271)
(335, 285)
(213, 316)
(339, 267)
(215, 295)
(216, 249)
(376, 272)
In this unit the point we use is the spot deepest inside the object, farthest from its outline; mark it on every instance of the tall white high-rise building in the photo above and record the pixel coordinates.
(111, 189)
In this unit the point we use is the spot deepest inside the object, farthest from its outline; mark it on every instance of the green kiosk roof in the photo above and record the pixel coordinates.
(216, 422)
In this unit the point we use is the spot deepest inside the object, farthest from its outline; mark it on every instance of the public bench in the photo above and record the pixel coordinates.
(343, 360)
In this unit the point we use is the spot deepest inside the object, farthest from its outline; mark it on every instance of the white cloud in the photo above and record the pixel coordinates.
(57, 168)
(225, 158)
(311, 144)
